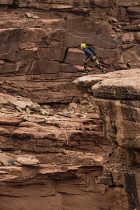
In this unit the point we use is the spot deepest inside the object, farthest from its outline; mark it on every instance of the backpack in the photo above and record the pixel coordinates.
(92, 49)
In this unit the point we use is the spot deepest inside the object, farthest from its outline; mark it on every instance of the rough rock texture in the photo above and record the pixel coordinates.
(117, 96)
(55, 157)
(50, 159)
(40, 40)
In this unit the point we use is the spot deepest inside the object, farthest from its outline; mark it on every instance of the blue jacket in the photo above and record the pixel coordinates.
(88, 52)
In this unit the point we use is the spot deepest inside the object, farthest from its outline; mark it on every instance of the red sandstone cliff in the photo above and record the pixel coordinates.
(40, 44)
(117, 96)
(60, 157)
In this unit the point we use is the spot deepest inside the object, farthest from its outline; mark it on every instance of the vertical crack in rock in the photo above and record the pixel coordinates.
(65, 55)
(131, 189)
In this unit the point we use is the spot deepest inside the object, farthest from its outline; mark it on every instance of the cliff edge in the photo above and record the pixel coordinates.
(117, 97)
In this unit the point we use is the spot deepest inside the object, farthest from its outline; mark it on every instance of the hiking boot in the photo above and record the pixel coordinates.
(85, 73)
(85, 66)
(104, 71)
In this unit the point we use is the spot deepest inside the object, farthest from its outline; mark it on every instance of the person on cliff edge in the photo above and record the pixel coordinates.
(91, 57)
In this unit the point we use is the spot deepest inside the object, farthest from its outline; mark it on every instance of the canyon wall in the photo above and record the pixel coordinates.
(40, 44)
(117, 96)
(49, 160)
(68, 160)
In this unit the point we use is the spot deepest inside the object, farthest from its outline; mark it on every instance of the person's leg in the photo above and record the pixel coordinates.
(85, 65)
(97, 64)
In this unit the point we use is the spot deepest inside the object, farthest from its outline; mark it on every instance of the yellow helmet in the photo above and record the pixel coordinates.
(83, 45)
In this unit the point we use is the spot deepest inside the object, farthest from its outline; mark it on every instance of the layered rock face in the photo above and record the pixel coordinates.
(51, 159)
(117, 96)
(48, 159)
(40, 44)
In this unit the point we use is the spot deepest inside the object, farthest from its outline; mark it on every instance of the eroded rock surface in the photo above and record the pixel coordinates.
(50, 158)
(117, 96)
(40, 42)
(56, 159)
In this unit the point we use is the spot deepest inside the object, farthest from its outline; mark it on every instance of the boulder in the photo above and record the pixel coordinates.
(28, 161)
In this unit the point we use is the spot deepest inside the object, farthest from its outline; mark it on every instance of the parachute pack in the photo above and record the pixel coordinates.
(92, 50)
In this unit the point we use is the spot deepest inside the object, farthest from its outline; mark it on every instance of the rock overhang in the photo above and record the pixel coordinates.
(118, 85)
(117, 96)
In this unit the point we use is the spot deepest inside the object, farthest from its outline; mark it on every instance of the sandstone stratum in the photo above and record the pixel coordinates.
(68, 141)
